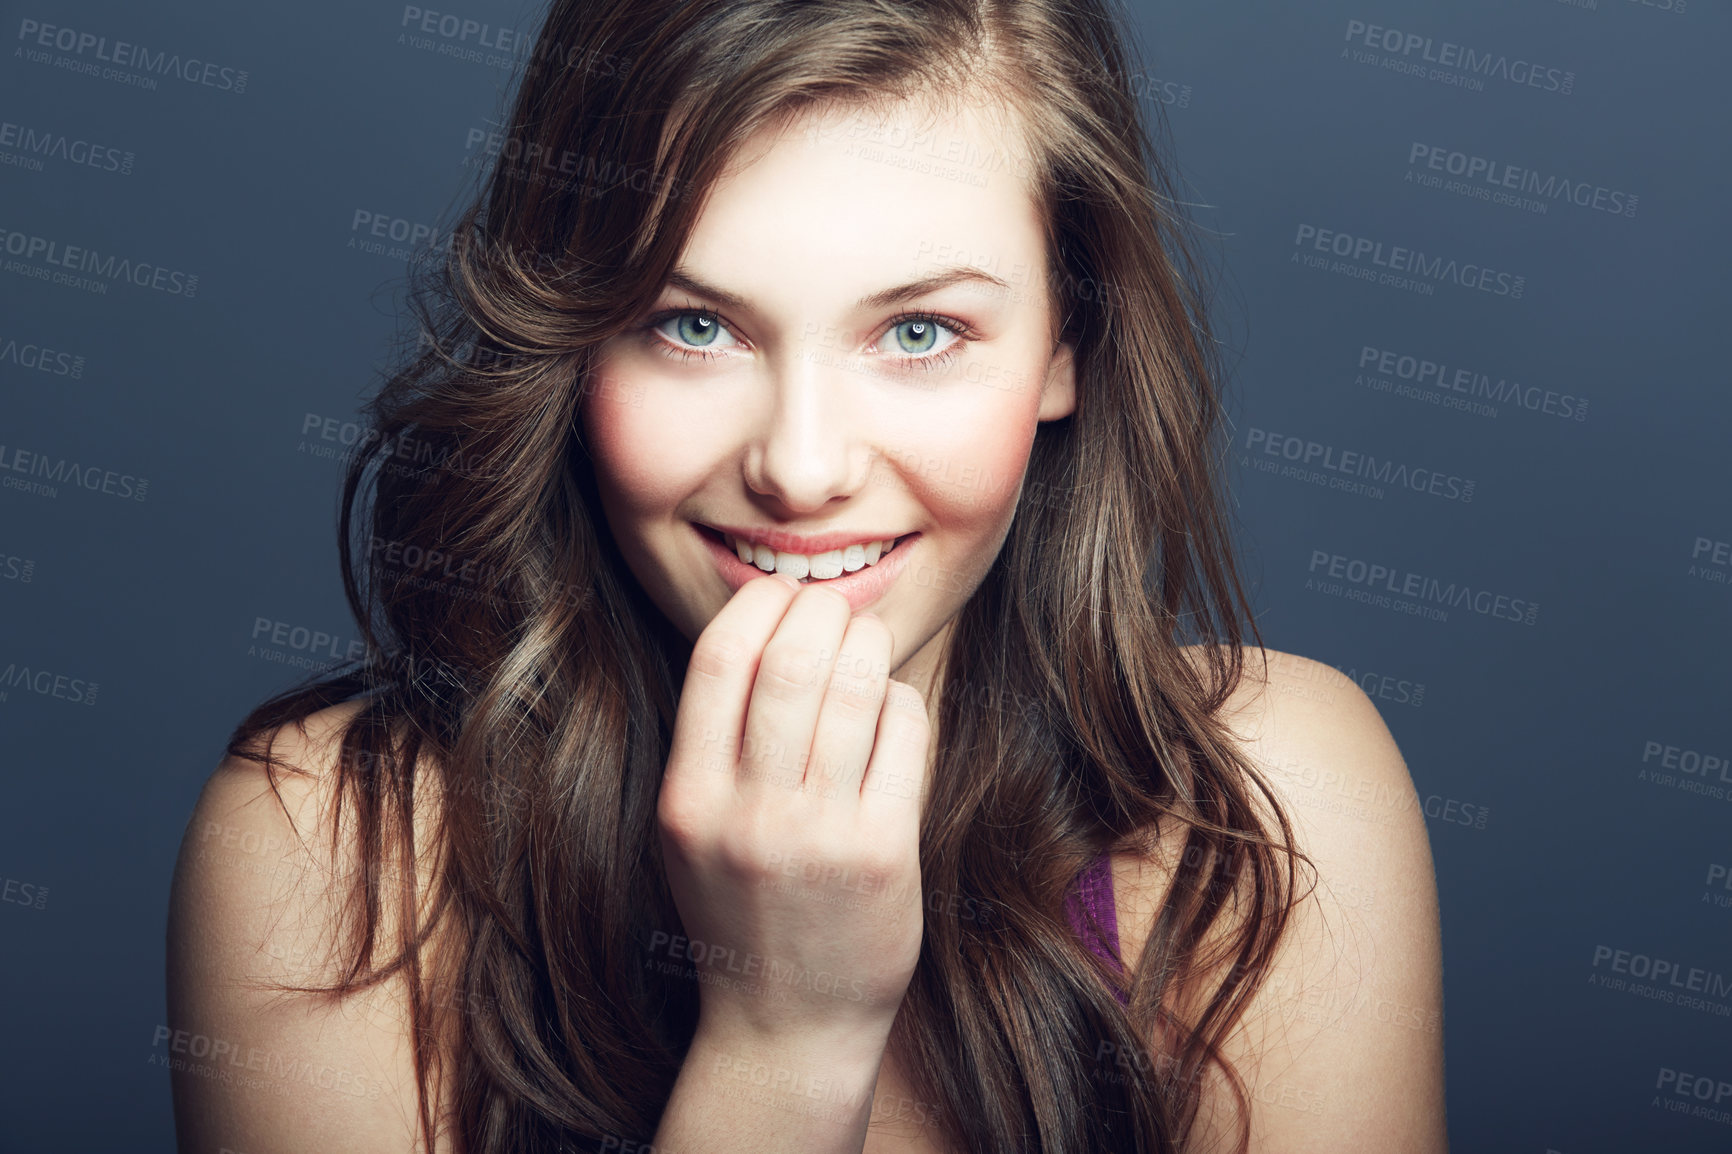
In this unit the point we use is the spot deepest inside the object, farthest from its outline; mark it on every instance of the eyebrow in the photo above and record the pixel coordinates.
(942, 278)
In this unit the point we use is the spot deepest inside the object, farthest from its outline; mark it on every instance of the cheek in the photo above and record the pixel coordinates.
(969, 465)
(647, 453)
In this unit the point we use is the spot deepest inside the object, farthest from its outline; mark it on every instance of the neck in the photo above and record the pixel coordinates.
(925, 670)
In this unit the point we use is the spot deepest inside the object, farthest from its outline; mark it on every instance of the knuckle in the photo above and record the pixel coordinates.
(909, 732)
(789, 671)
(770, 756)
(853, 697)
(720, 652)
(913, 742)
(772, 583)
(679, 824)
(906, 699)
(868, 633)
(820, 594)
(740, 851)
(829, 772)
(864, 663)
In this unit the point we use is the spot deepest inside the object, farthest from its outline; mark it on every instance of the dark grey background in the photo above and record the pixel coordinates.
(1560, 836)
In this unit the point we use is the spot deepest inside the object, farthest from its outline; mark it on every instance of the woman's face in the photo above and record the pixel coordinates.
(856, 345)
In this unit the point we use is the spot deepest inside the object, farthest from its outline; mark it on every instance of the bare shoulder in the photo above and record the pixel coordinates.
(1341, 1048)
(257, 903)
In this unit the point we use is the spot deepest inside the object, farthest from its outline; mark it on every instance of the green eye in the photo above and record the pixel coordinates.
(697, 329)
(916, 336)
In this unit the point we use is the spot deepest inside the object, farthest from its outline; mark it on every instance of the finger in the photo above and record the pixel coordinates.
(708, 727)
(895, 783)
(848, 716)
(792, 676)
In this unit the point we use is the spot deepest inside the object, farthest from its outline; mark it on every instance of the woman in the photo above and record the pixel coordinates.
(967, 829)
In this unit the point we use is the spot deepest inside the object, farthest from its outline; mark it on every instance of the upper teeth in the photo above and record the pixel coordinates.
(817, 566)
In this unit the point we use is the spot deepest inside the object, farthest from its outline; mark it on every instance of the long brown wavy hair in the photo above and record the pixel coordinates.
(516, 665)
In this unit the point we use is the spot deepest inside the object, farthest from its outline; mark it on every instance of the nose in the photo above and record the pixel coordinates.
(809, 447)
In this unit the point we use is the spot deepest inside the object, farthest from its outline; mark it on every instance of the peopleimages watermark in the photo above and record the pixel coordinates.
(41, 358)
(750, 973)
(1661, 980)
(445, 33)
(1454, 387)
(404, 452)
(229, 1061)
(1674, 7)
(16, 568)
(46, 683)
(1401, 267)
(1483, 178)
(1696, 1095)
(300, 646)
(82, 267)
(1688, 770)
(831, 884)
(1351, 469)
(55, 471)
(1392, 587)
(1156, 90)
(803, 1092)
(1719, 877)
(87, 53)
(590, 175)
(466, 31)
(1711, 561)
(1420, 56)
(27, 894)
(1317, 680)
(34, 145)
(924, 149)
(370, 230)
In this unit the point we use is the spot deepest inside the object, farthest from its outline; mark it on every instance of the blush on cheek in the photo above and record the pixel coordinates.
(970, 479)
(647, 455)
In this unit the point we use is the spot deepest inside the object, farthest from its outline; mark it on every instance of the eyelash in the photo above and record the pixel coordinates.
(930, 361)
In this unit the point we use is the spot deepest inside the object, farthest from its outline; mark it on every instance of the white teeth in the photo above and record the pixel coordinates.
(826, 565)
(817, 567)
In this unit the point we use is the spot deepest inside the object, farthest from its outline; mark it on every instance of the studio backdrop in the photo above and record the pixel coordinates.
(1472, 283)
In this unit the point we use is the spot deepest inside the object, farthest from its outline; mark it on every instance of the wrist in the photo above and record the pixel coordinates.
(778, 1091)
(793, 1059)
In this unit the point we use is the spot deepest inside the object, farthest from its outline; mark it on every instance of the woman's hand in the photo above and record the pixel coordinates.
(790, 818)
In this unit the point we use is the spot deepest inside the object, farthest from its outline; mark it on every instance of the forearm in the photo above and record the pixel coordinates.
(738, 1092)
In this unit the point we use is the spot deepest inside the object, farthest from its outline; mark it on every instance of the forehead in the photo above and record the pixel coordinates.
(840, 201)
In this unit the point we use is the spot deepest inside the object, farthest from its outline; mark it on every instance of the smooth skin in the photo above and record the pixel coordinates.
(812, 408)
(827, 771)
(807, 419)
(1342, 1050)
(848, 803)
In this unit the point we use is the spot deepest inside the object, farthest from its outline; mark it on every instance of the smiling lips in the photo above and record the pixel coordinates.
(810, 566)
(863, 570)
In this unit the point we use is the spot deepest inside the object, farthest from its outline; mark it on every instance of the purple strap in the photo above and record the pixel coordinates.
(1093, 898)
